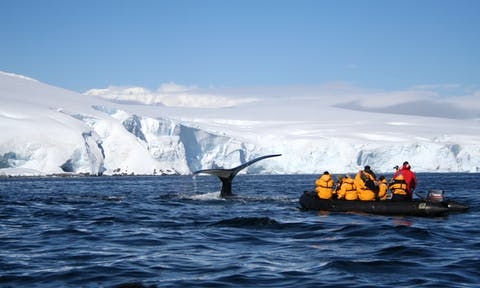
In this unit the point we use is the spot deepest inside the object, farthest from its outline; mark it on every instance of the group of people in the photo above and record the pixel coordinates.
(365, 186)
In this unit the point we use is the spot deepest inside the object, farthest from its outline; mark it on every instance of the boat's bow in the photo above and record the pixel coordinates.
(454, 206)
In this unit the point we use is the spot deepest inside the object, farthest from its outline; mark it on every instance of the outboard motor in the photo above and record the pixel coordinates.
(435, 195)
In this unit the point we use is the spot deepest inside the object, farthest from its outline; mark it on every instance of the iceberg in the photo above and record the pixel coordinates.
(48, 130)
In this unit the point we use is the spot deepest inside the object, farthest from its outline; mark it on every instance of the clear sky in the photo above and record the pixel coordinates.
(388, 45)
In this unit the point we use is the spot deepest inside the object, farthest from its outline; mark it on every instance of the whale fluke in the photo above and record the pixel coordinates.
(227, 175)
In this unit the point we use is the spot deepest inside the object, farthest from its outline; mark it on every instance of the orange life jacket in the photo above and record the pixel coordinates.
(347, 189)
(364, 193)
(382, 189)
(398, 185)
(324, 186)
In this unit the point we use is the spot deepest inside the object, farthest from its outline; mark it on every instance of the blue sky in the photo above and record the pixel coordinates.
(387, 45)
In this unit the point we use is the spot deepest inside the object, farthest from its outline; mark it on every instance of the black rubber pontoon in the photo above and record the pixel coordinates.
(310, 201)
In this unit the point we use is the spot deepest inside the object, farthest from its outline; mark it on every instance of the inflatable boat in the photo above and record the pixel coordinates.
(435, 204)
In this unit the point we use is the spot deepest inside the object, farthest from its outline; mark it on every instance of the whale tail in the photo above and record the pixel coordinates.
(226, 175)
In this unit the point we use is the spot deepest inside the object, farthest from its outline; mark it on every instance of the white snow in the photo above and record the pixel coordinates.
(176, 129)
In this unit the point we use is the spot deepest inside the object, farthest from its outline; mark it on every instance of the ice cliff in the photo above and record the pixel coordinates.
(49, 130)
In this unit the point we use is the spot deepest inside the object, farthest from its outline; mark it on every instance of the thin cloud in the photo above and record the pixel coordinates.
(421, 100)
(169, 94)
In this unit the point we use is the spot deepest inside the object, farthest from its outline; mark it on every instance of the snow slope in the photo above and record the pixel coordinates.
(49, 130)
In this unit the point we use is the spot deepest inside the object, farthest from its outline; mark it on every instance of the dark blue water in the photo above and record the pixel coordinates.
(173, 231)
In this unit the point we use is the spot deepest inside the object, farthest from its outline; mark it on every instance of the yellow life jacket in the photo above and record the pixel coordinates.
(347, 189)
(398, 185)
(382, 189)
(364, 193)
(324, 186)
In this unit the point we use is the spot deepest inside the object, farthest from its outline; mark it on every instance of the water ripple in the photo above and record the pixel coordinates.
(176, 231)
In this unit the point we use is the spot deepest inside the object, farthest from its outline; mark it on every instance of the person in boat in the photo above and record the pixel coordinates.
(324, 186)
(398, 187)
(382, 188)
(365, 182)
(409, 177)
(346, 188)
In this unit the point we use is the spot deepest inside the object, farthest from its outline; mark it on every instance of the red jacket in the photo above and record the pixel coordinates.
(410, 179)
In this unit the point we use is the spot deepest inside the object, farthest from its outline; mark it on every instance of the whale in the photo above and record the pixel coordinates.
(226, 175)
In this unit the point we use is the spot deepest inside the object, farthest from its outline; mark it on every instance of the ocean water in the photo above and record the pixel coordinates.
(175, 231)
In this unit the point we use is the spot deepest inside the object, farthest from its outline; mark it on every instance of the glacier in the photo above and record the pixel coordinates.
(48, 130)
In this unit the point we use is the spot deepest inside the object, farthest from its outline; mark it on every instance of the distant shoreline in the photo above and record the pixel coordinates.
(85, 175)
(80, 175)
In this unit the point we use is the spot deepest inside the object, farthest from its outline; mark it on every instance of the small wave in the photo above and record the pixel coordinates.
(234, 197)
(134, 285)
(356, 230)
(404, 251)
(65, 231)
(414, 232)
(247, 222)
(113, 198)
(371, 265)
(207, 196)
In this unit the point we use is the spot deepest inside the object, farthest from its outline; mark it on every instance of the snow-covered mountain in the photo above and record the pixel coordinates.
(49, 130)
